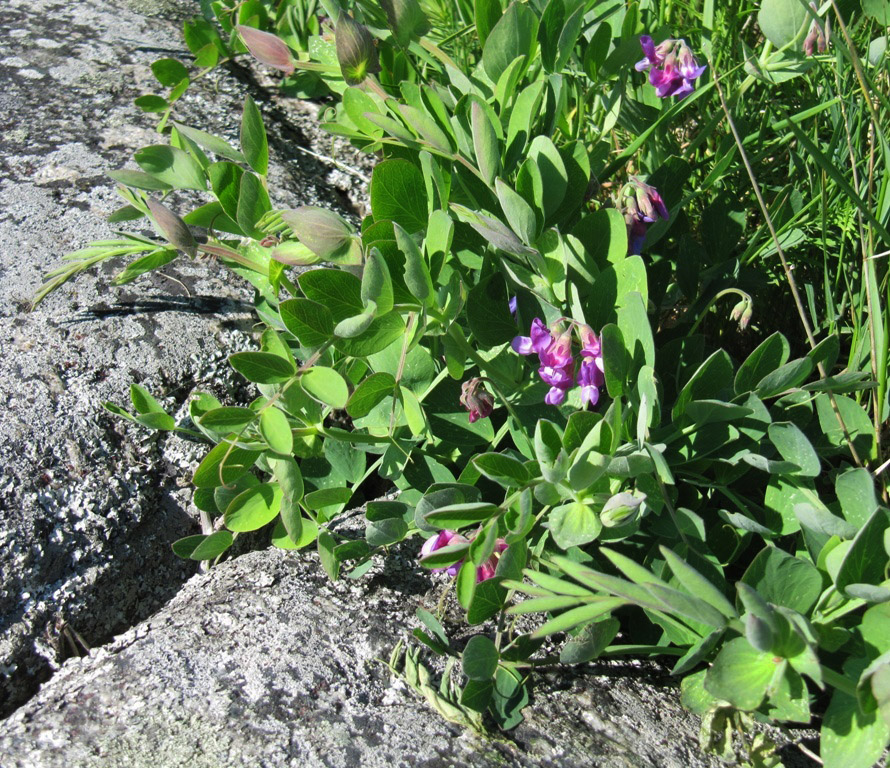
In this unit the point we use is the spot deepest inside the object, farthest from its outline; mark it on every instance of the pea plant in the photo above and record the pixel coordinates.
(525, 339)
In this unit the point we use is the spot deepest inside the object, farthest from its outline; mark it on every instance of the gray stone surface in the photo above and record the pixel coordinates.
(88, 505)
(263, 662)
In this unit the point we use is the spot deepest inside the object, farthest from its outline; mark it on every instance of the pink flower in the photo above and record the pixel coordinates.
(678, 71)
(476, 399)
(642, 205)
(447, 538)
(488, 568)
(444, 539)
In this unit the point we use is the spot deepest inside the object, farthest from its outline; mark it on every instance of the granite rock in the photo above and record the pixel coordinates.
(264, 662)
(88, 505)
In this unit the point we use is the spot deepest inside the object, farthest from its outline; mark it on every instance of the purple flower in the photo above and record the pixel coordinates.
(537, 342)
(557, 368)
(590, 373)
(678, 67)
(476, 399)
(642, 205)
(514, 307)
(444, 539)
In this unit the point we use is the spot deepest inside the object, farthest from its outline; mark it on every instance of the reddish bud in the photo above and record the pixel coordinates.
(267, 48)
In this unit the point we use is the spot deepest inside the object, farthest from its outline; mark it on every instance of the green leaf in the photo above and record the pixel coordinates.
(772, 353)
(234, 462)
(211, 143)
(327, 234)
(552, 172)
(254, 144)
(276, 431)
(477, 694)
(337, 290)
(143, 401)
(327, 555)
(212, 546)
(253, 508)
(785, 377)
(794, 446)
(398, 194)
(697, 584)
(253, 204)
(325, 385)
(488, 599)
(488, 312)
(460, 515)
(225, 181)
(782, 20)
(783, 579)
(185, 546)
(262, 367)
(502, 469)
(327, 497)
(590, 642)
(485, 143)
(574, 524)
(171, 166)
(289, 478)
(382, 332)
(710, 381)
(417, 274)
(169, 72)
(139, 180)
(479, 659)
(486, 14)
(445, 556)
(227, 419)
(856, 492)
(851, 738)
(148, 263)
(740, 674)
(377, 283)
(615, 360)
(310, 321)
(151, 103)
(519, 213)
(369, 394)
(866, 560)
(515, 34)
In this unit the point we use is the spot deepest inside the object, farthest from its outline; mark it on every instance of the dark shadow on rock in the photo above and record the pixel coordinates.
(195, 305)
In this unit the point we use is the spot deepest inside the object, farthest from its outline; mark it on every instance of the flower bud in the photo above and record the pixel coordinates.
(323, 232)
(172, 227)
(622, 509)
(356, 51)
(267, 48)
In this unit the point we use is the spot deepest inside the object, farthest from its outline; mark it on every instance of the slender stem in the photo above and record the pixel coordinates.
(792, 283)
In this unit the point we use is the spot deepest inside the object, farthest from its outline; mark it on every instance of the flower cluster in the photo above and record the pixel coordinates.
(476, 399)
(448, 538)
(818, 36)
(672, 67)
(641, 205)
(554, 350)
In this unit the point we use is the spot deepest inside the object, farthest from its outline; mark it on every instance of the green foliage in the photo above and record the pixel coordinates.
(722, 500)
